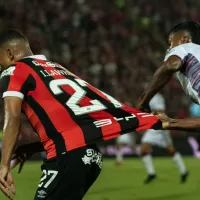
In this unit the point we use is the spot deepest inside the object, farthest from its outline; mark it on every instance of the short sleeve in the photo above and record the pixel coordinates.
(16, 81)
(179, 51)
(157, 102)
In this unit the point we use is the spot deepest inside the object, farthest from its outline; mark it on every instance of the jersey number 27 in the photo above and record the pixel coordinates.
(79, 94)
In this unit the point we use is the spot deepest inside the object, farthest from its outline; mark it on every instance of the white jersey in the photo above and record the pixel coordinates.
(157, 102)
(189, 74)
(126, 139)
(160, 138)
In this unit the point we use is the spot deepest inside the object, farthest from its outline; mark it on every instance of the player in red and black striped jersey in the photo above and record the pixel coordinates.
(69, 115)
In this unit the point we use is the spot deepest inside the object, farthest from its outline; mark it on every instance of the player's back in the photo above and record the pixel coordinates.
(64, 104)
(66, 111)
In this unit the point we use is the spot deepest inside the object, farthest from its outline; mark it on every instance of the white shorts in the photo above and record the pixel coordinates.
(160, 138)
(126, 139)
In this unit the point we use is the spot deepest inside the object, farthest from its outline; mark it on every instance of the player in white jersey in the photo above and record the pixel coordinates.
(122, 141)
(162, 139)
(183, 58)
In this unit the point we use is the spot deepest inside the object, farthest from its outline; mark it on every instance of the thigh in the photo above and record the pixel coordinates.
(152, 137)
(75, 175)
(125, 139)
(167, 138)
(53, 175)
(92, 176)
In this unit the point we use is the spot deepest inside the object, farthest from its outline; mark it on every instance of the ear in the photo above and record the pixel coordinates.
(10, 54)
(186, 39)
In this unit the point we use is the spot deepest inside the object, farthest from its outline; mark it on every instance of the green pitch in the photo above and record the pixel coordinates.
(124, 182)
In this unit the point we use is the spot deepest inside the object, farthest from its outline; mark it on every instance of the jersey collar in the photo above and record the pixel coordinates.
(40, 57)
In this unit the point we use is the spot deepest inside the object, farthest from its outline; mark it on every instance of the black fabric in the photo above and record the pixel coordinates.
(29, 85)
(74, 177)
(51, 131)
(85, 122)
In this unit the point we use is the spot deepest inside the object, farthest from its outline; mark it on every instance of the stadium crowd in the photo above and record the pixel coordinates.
(115, 45)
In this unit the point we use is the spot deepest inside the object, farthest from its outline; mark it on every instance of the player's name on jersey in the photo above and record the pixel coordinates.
(46, 64)
(51, 72)
(54, 72)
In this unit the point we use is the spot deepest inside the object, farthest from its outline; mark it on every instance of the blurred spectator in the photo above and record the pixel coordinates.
(194, 110)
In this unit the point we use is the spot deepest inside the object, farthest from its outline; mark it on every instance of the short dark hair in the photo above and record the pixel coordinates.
(192, 27)
(9, 35)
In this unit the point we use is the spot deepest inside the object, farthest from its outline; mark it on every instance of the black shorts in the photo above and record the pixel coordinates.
(70, 176)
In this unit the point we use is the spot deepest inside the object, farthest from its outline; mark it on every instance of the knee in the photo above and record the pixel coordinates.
(145, 149)
(171, 150)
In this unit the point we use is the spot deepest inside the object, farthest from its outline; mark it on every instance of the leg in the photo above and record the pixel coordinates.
(72, 174)
(147, 160)
(92, 177)
(122, 141)
(151, 137)
(177, 158)
(119, 154)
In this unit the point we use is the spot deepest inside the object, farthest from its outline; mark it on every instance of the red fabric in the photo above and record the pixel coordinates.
(67, 124)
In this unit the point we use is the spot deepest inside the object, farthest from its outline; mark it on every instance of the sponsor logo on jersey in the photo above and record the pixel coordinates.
(46, 64)
(106, 122)
(41, 194)
(93, 156)
(8, 72)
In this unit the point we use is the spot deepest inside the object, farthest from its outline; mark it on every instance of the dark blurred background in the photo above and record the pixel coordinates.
(116, 45)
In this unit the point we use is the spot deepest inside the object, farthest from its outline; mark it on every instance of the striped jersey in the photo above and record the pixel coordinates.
(189, 74)
(66, 111)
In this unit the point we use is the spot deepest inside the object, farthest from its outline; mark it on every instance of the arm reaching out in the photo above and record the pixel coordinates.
(188, 124)
(161, 77)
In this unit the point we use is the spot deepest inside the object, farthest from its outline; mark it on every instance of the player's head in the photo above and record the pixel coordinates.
(13, 46)
(184, 33)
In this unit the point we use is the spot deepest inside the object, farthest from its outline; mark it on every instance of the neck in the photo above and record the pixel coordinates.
(24, 54)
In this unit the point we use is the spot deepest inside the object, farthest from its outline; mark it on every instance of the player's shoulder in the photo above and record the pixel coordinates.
(178, 48)
(18, 68)
(34, 61)
(186, 47)
(9, 71)
(180, 51)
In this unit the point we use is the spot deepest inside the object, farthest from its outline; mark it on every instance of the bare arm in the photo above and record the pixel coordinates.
(161, 77)
(188, 124)
(12, 106)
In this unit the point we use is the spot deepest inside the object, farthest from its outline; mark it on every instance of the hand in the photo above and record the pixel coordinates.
(161, 113)
(20, 156)
(6, 182)
(164, 118)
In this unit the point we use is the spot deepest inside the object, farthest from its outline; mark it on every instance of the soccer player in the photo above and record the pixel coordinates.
(126, 140)
(162, 139)
(182, 59)
(68, 114)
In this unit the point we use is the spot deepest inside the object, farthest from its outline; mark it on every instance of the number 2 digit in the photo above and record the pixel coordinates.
(53, 174)
(73, 101)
